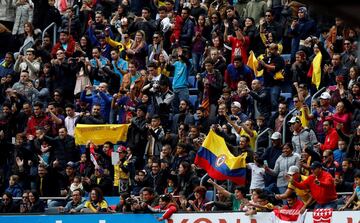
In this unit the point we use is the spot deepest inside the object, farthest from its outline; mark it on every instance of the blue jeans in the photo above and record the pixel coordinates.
(332, 204)
(179, 94)
(275, 94)
(196, 58)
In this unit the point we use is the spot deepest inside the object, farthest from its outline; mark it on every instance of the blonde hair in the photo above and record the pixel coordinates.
(15, 178)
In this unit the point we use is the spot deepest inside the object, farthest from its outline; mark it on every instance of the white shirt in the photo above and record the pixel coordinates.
(257, 176)
(70, 123)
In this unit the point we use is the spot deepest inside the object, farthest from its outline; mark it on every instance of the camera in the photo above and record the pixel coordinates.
(132, 201)
(233, 118)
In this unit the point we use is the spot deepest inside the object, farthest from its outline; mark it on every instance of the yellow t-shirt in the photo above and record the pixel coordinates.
(303, 194)
(304, 121)
(120, 174)
(252, 139)
(93, 208)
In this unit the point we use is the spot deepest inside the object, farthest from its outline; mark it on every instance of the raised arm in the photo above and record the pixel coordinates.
(219, 188)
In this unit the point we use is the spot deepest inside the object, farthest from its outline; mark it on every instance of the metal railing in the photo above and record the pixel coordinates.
(76, 9)
(284, 125)
(316, 95)
(206, 176)
(269, 132)
(52, 25)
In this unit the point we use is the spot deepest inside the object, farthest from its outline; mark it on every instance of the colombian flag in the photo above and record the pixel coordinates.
(315, 70)
(214, 157)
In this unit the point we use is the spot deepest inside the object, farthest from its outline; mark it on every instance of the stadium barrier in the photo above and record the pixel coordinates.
(204, 217)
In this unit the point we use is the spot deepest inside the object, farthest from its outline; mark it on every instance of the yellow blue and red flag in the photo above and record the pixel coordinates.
(220, 164)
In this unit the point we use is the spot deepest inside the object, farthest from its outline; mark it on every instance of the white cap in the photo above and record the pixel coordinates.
(293, 169)
(236, 104)
(276, 135)
(325, 95)
(294, 119)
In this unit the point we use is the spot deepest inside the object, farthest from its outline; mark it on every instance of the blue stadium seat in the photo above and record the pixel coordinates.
(286, 96)
(112, 200)
(286, 57)
(209, 195)
(192, 81)
(194, 101)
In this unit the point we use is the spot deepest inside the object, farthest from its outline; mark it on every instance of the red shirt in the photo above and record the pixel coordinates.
(35, 122)
(238, 48)
(331, 140)
(323, 193)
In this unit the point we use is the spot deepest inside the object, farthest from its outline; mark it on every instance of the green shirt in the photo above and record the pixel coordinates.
(235, 203)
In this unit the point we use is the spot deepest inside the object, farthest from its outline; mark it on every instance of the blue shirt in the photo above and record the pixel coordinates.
(181, 73)
(120, 64)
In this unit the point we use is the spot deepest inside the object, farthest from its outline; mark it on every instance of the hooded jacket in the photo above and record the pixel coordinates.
(282, 166)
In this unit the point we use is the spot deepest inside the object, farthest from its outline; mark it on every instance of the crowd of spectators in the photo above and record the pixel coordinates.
(174, 70)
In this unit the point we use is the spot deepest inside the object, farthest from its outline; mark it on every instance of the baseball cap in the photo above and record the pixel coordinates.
(276, 135)
(70, 164)
(302, 9)
(294, 119)
(236, 104)
(315, 165)
(325, 95)
(293, 170)
(121, 149)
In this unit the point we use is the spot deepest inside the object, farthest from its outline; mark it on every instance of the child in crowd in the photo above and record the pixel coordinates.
(76, 184)
(355, 197)
(260, 202)
(14, 187)
(257, 173)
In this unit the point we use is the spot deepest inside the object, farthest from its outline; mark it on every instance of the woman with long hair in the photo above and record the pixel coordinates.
(36, 205)
(215, 23)
(199, 42)
(137, 50)
(96, 203)
(28, 37)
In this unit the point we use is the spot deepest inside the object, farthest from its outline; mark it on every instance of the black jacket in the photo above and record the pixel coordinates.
(262, 98)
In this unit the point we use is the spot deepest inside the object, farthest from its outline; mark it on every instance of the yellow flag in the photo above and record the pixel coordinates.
(316, 70)
(99, 134)
(253, 63)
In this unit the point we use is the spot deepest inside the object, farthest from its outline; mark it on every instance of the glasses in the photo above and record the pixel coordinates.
(346, 43)
(125, 37)
(214, 17)
(155, 37)
(268, 15)
(295, 101)
(59, 53)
